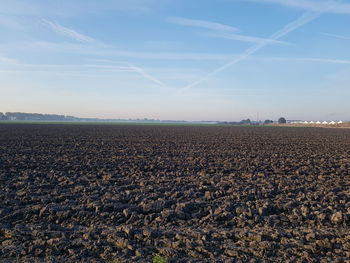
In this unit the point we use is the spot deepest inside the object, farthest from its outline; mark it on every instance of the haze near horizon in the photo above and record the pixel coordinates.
(181, 60)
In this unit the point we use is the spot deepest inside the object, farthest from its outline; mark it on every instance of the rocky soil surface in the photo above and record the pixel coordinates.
(71, 193)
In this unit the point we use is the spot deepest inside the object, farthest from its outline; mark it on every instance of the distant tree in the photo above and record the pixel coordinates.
(268, 121)
(32, 116)
(282, 120)
(247, 121)
(2, 117)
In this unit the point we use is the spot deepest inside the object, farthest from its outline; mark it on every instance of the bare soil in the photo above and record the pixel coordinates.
(71, 193)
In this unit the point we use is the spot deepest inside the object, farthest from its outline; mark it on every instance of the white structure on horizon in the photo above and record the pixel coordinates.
(317, 122)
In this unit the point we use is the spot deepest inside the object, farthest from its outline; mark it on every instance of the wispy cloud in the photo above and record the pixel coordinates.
(336, 36)
(6, 60)
(132, 68)
(312, 5)
(85, 39)
(239, 37)
(306, 59)
(304, 19)
(109, 51)
(19, 66)
(170, 55)
(67, 32)
(15, 66)
(202, 24)
(322, 60)
(146, 75)
(217, 30)
(7, 21)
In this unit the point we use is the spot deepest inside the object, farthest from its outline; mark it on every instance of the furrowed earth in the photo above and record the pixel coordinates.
(74, 193)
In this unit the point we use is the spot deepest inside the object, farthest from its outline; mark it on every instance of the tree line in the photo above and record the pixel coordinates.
(20, 116)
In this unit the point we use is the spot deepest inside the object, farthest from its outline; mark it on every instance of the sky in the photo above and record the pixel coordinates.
(176, 59)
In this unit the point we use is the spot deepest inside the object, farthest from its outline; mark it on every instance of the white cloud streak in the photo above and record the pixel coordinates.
(333, 61)
(304, 19)
(6, 60)
(311, 5)
(133, 68)
(146, 75)
(239, 37)
(14, 66)
(306, 59)
(336, 36)
(170, 55)
(218, 30)
(109, 51)
(17, 66)
(67, 32)
(202, 24)
(85, 39)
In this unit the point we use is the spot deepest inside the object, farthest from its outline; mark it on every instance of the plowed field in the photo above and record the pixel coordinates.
(71, 193)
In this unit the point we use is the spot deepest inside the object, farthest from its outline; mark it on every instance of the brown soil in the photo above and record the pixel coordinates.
(193, 194)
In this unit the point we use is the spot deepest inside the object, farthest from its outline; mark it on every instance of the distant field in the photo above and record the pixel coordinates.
(125, 193)
(343, 125)
(108, 123)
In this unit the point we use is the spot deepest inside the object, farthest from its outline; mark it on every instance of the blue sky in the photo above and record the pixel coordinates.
(176, 59)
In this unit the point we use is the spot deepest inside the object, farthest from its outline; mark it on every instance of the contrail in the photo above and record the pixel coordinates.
(336, 36)
(321, 60)
(130, 68)
(304, 19)
(68, 32)
(143, 73)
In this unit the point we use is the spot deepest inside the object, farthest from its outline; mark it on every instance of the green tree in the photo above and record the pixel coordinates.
(2, 117)
(247, 121)
(282, 120)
